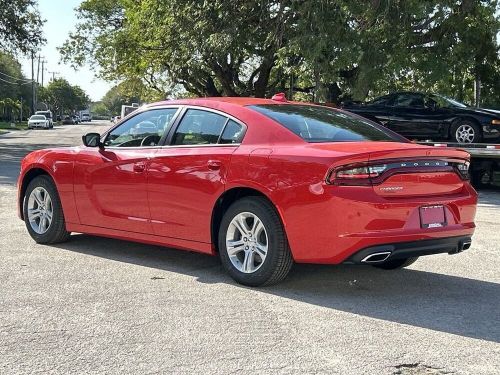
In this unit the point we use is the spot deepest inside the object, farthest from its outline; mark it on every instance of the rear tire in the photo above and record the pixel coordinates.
(396, 263)
(41, 202)
(260, 254)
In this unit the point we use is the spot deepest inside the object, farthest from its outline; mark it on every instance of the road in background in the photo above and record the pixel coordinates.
(108, 306)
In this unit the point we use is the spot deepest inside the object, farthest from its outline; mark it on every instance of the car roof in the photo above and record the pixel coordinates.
(241, 101)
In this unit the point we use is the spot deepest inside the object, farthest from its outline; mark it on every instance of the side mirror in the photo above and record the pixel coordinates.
(92, 140)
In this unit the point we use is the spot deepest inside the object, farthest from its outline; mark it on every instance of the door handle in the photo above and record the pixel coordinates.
(139, 167)
(214, 165)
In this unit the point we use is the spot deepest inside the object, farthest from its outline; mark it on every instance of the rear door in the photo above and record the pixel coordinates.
(188, 174)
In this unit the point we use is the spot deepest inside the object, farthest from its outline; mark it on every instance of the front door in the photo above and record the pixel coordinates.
(411, 117)
(111, 182)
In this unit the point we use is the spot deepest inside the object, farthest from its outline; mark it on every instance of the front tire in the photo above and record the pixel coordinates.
(396, 263)
(465, 131)
(43, 214)
(253, 247)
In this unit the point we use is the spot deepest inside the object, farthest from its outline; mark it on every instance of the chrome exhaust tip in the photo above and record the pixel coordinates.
(376, 257)
(466, 245)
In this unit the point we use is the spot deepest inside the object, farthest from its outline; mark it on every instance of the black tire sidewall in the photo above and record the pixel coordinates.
(477, 131)
(276, 240)
(54, 231)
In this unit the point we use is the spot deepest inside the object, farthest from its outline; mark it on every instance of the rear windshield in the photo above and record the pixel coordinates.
(321, 124)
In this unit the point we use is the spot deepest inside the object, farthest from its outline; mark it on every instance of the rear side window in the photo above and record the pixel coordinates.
(199, 127)
(321, 124)
(233, 133)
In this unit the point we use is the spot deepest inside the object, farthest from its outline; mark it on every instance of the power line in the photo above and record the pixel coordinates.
(14, 83)
(16, 78)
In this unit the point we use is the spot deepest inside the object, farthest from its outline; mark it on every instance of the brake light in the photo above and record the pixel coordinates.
(463, 170)
(358, 174)
(367, 174)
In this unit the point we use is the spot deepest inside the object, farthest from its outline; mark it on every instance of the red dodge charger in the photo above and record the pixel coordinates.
(262, 183)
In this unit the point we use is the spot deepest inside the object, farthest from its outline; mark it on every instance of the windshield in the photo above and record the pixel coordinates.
(445, 102)
(321, 124)
(37, 117)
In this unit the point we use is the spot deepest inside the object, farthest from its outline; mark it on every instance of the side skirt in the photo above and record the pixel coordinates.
(150, 239)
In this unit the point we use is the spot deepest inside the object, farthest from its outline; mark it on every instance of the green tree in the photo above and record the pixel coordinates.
(14, 88)
(128, 92)
(20, 26)
(62, 97)
(328, 50)
(99, 109)
(210, 48)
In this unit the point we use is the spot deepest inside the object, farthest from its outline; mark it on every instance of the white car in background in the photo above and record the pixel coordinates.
(38, 121)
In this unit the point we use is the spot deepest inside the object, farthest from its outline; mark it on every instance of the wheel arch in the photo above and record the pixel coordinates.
(464, 118)
(224, 202)
(29, 176)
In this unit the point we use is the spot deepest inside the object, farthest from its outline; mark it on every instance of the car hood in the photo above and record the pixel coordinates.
(479, 111)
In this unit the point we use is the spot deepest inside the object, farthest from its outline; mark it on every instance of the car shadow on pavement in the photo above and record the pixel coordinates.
(445, 303)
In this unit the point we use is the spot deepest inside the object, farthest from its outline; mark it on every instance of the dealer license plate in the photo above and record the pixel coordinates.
(432, 216)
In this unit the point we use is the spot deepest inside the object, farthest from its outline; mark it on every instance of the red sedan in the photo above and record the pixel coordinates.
(262, 183)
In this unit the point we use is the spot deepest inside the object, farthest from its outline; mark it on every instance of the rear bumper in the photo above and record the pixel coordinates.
(382, 253)
(345, 220)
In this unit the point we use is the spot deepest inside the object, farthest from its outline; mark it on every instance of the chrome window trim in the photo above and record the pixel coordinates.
(181, 109)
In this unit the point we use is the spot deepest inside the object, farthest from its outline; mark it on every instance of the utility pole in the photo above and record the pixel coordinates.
(32, 82)
(53, 75)
(38, 70)
(21, 119)
(43, 69)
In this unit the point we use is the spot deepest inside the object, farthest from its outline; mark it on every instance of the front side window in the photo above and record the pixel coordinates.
(144, 129)
(409, 100)
(199, 127)
(382, 100)
(321, 124)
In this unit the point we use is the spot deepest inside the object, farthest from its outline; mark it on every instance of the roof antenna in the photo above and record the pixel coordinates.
(279, 97)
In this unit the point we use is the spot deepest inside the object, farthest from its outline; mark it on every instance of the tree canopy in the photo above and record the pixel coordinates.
(326, 50)
(62, 97)
(20, 26)
(14, 88)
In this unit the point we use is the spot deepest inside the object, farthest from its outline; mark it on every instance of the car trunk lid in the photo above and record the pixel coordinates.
(399, 169)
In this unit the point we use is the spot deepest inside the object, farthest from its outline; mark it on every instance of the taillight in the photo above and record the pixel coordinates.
(463, 170)
(368, 174)
(358, 175)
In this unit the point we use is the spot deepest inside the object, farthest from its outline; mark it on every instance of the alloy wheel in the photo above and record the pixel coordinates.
(247, 242)
(40, 210)
(465, 134)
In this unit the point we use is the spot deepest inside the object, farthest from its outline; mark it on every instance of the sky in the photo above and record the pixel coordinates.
(60, 19)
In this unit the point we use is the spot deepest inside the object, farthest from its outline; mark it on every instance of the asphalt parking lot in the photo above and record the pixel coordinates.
(95, 305)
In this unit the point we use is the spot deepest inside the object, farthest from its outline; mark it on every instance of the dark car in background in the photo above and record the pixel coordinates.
(68, 120)
(418, 115)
